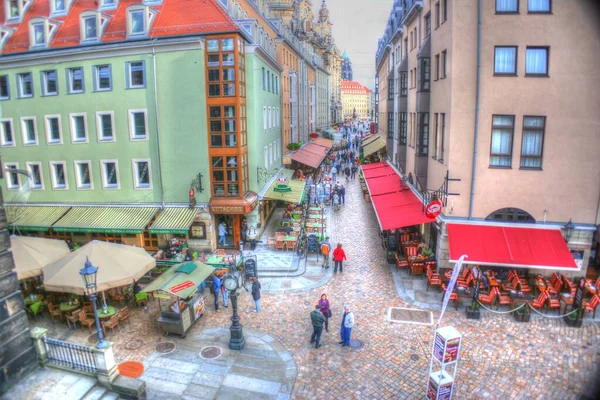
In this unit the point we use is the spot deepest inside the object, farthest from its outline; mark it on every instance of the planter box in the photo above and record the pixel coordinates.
(472, 314)
(367, 198)
(575, 323)
(525, 317)
(391, 257)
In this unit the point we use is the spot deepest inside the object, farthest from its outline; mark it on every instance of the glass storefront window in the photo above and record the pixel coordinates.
(212, 45)
(229, 89)
(213, 60)
(227, 44)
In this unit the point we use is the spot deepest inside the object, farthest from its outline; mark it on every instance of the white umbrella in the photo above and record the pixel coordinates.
(31, 254)
(118, 265)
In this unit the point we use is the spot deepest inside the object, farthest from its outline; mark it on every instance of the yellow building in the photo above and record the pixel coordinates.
(355, 97)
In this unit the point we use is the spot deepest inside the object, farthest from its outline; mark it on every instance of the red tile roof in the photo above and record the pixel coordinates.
(347, 86)
(172, 18)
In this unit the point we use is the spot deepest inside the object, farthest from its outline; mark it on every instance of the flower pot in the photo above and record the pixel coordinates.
(573, 322)
(473, 314)
(367, 198)
(521, 317)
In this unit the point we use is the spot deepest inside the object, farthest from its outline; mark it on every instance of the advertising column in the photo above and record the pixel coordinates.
(443, 365)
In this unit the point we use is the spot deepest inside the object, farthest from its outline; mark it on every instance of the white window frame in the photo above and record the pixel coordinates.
(74, 139)
(265, 119)
(105, 177)
(270, 154)
(4, 143)
(82, 20)
(49, 140)
(70, 80)
(104, 6)
(128, 83)
(45, 91)
(266, 156)
(32, 24)
(134, 168)
(56, 13)
(148, 14)
(29, 165)
(96, 78)
(78, 183)
(132, 136)
(55, 186)
(24, 131)
(99, 129)
(20, 85)
(7, 167)
(7, 97)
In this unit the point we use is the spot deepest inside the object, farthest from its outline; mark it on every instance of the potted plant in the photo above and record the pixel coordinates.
(522, 314)
(573, 319)
(473, 310)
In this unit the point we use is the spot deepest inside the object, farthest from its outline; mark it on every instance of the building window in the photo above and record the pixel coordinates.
(501, 144)
(137, 22)
(507, 6)
(25, 85)
(390, 89)
(83, 175)
(13, 181)
(4, 87)
(198, 230)
(539, 6)
(437, 67)
(223, 129)
(427, 24)
(59, 175)
(423, 144)
(102, 78)
(110, 174)
(90, 27)
(403, 128)
(75, 79)
(435, 136)
(79, 128)
(6, 132)
(225, 176)
(536, 61)
(533, 142)
(136, 75)
(212, 46)
(444, 60)
(505, 60)
(53, 129)
(425, 74)
(38, 34)
(29, 131)
(444, 10)
(265, 118)
(57, 6)
(443, 136)
(138, 124)
(105, 126)
(390, 127)
(510, 215)
(437, 14)
(35, 173)
(142, 178)
(49, 83)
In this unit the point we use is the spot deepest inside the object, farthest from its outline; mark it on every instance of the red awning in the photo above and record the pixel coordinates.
(398, 210)
(510, 247)
(311, 155)
(374, 165)
(384, 185)
(382, 171)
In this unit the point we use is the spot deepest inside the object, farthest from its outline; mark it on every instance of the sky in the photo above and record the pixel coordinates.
(357, 25)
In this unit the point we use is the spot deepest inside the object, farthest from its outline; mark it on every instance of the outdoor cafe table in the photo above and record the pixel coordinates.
(110, 312)
(29, 300)
(315, 216)
(66, 308)
(314, 225)
(315, 209)
(215, 260)
(567, 299)
(516, 300)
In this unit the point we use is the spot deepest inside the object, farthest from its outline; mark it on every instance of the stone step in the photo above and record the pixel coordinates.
(110, 396)
(95, 394)
(79, 389)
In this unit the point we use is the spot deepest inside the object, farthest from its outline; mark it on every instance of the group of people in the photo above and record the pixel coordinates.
(218, 290)
(248, 233)
(320, 318)
(339, 256)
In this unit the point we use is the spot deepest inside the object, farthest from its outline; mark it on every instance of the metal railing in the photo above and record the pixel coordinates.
(69, 355)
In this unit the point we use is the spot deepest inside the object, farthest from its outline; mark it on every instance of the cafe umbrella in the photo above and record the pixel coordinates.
(31, 254)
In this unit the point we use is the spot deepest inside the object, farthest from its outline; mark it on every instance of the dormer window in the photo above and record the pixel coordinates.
(90, 28)
(4, 36)
(92, 25)
(16, 8)
(139, 19)
(41, 31)
(58, 7)
(108, 4)
(39, 34)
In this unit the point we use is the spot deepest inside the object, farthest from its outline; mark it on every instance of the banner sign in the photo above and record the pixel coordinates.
(451, 285)
(181, 286)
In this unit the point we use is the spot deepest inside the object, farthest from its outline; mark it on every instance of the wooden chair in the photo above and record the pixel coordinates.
(503, 299)
(73, 318)
(141, 298)
(84, 320)
(54, 311)
(401, 262)
(465, 283)
(112, 323)
(291, 244)
(411, 251)
(488, 298)
(271, 243)
(540, 302)
(433, 279)
(432, 265)
(405, 237)
(453, 296)
(417, 268)
(116, 296)
(553, 303)
(124, 316)
(279, 245)
(592, 305)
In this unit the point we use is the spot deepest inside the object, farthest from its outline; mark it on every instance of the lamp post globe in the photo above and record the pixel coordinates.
(88, 275)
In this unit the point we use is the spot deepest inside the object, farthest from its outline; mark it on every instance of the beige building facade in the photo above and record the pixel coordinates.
(521, 132)
(356, 99)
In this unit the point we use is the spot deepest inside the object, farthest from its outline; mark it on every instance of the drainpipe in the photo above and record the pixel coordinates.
(160, 175)
(477, 90)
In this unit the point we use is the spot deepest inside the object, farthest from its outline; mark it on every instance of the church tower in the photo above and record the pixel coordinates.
(346, 67)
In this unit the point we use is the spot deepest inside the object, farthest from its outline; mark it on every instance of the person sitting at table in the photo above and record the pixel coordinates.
(286, 216)
(476, 272)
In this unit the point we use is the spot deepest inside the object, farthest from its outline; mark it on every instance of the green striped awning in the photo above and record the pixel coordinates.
(295, 195)
(174, 221)
(374, 146)
(34, 218)
(128, 220)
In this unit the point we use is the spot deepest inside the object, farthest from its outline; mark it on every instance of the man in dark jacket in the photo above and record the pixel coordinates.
(342, 192)
(256, 294)
(217, 282)
(318, 319)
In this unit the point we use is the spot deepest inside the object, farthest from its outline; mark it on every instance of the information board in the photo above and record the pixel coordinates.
(312, 243)
(250, 268)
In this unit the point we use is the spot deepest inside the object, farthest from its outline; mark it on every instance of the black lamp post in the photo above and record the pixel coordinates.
(569, 227)
(88, 274)
(232, 284)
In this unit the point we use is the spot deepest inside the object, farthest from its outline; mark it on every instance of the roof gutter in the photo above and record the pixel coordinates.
(160, 174)
(476, 128)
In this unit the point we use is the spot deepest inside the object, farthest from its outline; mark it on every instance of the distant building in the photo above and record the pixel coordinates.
(346, 67)
(355, 98)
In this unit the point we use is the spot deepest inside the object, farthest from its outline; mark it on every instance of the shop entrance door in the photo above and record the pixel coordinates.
(233, 235)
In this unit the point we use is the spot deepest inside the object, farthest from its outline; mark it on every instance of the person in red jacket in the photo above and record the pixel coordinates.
(338, 257)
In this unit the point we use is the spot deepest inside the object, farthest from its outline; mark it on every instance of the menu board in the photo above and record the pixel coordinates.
(313, 243)
(446, 346)
(438, 349)
(198, 307)
(250, 268)
(440, 386)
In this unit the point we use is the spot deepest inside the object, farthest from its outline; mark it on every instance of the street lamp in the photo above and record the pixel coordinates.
(88, 274)
(232, 284)
(569, 227)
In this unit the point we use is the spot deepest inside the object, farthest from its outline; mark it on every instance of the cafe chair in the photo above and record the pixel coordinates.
(417, 268)
(540, 302)
(411, 251)
(73, 318)
(465, 283)
(433, 279)
(54, 311)
(592, 305)
(488, 298)
(553, 303)
(116, 296)
(503, 299)
(141, 299)
(401, 262)
(279, 245)
(35, 309)
(112, 323)
(124, 316)
(291, 244)
(453, 296)
(85, 321)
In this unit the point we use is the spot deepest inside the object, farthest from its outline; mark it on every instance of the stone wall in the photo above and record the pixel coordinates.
(17, 355)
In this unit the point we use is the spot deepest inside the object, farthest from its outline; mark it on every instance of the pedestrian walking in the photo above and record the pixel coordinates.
(353, 172)
(251, 235)
(347, 173)
(317, 319)
(333, 173)
(342, 191)
(256, 294)
(338, 257)
(346, 328)
(223, 233)
(325, 250)
(225, 293)
(325, 310)
(336, 203)
(244, 226)
(216, 290)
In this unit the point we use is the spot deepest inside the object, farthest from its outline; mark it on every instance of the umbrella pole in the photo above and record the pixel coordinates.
(104, 306)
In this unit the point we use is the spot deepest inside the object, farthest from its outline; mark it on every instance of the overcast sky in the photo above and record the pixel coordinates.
(357, 25)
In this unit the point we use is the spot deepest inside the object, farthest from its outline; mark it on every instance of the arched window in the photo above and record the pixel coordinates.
(510, 215)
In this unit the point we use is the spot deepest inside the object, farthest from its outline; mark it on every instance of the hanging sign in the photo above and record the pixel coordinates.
(433, 209)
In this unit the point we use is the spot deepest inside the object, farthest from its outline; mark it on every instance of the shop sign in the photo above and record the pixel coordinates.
(162, 296)
(433, 209)
(182, 286)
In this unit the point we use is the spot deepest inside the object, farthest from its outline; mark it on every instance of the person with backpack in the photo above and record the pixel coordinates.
(216, 290)
(325, 250)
